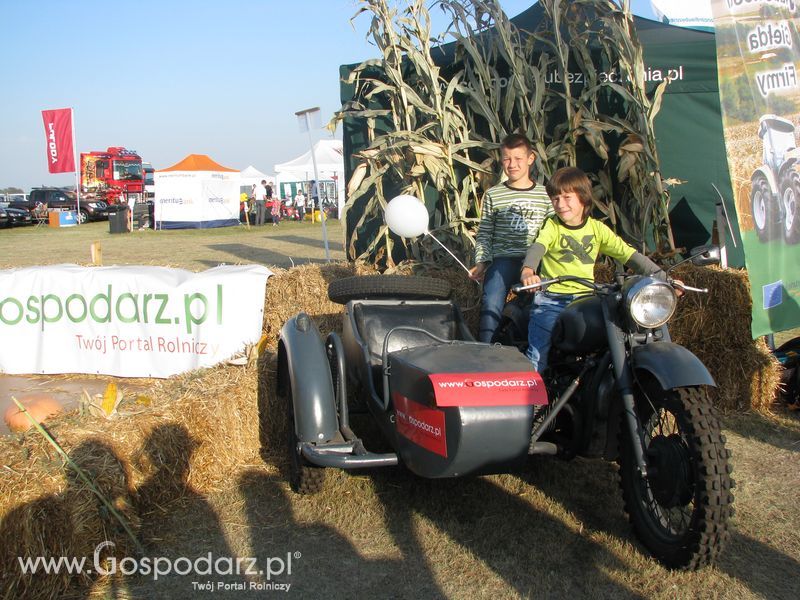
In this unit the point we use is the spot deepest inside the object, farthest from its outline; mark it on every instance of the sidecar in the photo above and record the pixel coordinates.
(447, 405)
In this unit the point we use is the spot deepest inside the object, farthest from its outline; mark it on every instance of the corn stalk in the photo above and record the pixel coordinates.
(442, 131)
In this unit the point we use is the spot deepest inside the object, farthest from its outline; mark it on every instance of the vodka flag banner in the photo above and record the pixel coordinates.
(58, 134)
(127, 321)
(758, 65)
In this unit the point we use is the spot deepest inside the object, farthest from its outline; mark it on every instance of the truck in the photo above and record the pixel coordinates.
(149, 181)
(112, 176)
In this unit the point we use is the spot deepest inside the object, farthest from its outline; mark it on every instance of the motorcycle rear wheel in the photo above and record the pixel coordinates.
(680, 511)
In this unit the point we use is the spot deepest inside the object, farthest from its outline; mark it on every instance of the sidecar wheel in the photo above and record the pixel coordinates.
(303, 477)
(399, 287)
(680, 511)
(766, 213)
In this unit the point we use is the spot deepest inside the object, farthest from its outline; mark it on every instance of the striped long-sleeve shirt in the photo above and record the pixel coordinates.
(510, 221)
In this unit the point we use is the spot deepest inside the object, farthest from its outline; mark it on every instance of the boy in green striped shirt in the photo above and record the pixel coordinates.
(511, 215)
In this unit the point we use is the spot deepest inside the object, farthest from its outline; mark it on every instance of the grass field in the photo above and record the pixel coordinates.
(556, 530)
(285, 245)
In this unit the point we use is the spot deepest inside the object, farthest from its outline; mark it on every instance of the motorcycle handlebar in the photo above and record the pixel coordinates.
(590, 284)
(545, 282)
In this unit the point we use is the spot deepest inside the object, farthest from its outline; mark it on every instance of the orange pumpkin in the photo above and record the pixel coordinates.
(39, 406)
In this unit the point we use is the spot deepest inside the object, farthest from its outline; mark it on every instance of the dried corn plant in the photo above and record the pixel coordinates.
(427, 149)
(433, 130)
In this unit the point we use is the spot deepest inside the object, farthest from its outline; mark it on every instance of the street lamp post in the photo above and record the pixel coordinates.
(304, 119)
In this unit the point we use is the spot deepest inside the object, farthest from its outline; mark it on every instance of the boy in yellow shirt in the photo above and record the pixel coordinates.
(568, 244)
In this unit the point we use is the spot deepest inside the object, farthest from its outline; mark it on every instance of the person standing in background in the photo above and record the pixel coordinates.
(300, 203)
(260, 194)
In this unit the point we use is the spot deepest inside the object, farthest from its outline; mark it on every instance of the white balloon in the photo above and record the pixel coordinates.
(406, 216)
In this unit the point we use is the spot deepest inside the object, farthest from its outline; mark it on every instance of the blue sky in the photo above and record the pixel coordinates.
(169, 78)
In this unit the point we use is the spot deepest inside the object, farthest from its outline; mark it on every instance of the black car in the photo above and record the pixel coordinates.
(55, 198)
(9, 217)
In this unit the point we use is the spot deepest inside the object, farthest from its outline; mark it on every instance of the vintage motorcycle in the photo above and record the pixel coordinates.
(616, 388)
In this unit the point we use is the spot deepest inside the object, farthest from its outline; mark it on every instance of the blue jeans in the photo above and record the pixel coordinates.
(500, 276)
(544, 312)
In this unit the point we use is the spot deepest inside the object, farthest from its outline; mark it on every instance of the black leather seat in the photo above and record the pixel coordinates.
(375, 321)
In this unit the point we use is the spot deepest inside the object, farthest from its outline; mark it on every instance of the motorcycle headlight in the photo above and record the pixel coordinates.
(650, 302)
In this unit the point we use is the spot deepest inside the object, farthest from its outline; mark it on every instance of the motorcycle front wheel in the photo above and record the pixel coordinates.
(680, 511)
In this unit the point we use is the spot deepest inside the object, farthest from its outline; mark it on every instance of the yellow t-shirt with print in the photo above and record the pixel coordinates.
(573, 250)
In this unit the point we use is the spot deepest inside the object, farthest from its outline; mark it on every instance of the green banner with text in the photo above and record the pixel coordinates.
(758, 57)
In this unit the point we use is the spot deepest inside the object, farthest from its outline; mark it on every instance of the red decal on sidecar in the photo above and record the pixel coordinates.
(421, 425)
(488, 389)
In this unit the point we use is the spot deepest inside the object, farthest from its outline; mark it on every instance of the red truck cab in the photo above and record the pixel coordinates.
(112, 175)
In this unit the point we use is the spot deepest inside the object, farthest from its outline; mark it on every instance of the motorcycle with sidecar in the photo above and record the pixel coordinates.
(616, 388)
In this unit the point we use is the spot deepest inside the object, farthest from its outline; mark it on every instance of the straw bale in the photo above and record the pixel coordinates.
(717, 328)
(305, 289)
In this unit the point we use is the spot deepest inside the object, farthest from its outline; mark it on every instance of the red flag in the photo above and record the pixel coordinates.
(58, 132)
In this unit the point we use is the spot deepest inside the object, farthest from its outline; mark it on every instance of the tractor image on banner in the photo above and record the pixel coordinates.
(757, 56)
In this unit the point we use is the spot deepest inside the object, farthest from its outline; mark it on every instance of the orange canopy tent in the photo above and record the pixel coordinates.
(198, 193)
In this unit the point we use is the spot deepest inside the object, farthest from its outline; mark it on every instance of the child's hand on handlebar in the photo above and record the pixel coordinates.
(529, 276)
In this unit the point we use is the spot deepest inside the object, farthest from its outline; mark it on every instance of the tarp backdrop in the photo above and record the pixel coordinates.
(688, 127)
(758, 55)
(196, 193)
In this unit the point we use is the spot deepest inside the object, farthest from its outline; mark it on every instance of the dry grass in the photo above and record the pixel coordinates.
(188, 464)
(284, 246)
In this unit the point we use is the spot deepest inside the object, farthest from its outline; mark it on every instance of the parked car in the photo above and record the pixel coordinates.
(56, 198)
(9, 217)
(7, 197)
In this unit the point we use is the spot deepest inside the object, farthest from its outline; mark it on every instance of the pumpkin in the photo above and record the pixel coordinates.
(39, 406)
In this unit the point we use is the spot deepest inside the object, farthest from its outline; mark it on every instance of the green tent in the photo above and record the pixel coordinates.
(688, 127)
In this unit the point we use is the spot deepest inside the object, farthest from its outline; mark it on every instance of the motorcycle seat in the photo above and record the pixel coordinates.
(375, 321)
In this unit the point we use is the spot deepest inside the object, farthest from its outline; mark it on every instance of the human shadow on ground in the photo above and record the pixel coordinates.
(71, 524)
(523, 545)
(323, 562)
(178, 524)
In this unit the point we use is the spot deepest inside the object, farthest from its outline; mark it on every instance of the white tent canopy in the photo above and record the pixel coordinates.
(251, 175)
(330, 167)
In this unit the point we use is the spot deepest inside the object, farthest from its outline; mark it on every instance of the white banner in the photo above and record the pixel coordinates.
(127, 321)
(188, 198)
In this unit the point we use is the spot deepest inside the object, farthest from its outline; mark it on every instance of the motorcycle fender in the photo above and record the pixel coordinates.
(303, 363)
(672, 365)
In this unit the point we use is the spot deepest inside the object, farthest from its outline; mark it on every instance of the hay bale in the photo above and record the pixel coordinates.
(305, 289)
(716, 327)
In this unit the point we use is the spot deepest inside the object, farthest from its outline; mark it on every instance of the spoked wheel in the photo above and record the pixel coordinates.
(304, 478)
(680, 511)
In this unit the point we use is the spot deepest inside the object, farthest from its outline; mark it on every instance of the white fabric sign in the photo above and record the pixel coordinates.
(196, 197)
(127, 321)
